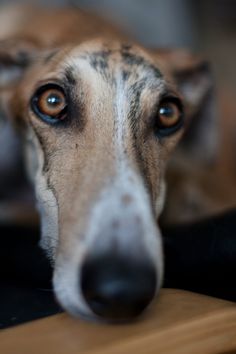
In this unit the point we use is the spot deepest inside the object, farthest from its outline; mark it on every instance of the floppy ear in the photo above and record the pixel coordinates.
(15, 56)
(194, 81)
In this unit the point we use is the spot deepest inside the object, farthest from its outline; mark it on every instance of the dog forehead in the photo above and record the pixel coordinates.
(110, 59)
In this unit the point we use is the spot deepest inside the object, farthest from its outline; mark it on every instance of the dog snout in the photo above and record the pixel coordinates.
(118, 289)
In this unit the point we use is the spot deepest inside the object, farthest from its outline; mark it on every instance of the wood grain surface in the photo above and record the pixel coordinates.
(178, 322)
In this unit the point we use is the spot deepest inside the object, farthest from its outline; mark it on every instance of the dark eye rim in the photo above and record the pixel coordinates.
(162, 131)
(44, 117)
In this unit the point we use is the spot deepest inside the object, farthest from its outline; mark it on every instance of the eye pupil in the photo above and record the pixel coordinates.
(54, 100)
(166, 111)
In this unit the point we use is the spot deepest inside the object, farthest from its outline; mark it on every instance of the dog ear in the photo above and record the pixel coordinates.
(194, 81)
(15, 57)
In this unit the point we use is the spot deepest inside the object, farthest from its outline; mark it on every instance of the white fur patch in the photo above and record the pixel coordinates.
(46, 200)
(66, 283)
(120, 117)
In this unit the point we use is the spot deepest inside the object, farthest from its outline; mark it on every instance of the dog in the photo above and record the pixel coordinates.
(98, 117)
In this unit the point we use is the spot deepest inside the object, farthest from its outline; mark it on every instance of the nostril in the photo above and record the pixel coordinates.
(116, 288)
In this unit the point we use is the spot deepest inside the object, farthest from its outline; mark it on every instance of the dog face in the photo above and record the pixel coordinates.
(99, 121)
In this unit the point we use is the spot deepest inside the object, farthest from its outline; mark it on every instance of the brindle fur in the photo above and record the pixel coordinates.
(99, 176)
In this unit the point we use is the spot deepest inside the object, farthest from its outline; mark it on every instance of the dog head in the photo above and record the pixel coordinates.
(99, 120)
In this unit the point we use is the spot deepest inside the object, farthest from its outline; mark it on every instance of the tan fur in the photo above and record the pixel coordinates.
(93, 172)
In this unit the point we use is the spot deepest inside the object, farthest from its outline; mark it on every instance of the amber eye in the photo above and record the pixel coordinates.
(49, 103)
(170, 116)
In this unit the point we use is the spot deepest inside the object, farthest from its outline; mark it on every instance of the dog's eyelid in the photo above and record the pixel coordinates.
(50, 82)
(170, 95)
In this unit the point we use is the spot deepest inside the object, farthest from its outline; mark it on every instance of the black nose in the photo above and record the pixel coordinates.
(116, 288)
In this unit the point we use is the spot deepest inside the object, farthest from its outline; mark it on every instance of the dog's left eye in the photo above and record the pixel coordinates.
(49, 103)
(170, 116)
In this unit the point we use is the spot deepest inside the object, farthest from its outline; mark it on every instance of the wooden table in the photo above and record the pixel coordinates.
(179, 322)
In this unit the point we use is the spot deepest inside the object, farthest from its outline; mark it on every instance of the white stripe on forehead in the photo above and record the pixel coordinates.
(120, 116)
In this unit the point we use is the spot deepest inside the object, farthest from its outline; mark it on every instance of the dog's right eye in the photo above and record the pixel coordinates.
(49, 103)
